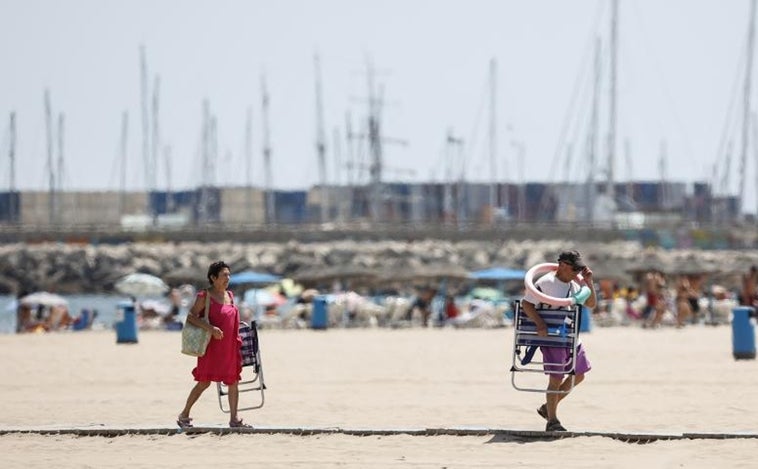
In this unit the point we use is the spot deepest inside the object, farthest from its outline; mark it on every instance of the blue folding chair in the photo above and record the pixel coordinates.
(251, 361)
(563, 332)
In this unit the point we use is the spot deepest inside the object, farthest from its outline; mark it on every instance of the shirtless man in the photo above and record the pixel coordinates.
(748, 294)
(655, 288)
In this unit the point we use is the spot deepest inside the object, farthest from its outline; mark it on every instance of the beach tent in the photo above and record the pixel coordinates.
(252, 277)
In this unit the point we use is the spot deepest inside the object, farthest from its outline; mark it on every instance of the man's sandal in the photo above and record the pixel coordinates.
(542, 410)
(554, 426)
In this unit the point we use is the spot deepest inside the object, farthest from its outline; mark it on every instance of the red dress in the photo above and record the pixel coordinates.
(222, 360)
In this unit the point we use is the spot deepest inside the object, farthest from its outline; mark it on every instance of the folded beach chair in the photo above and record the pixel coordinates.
(252, 373)
(563, 332)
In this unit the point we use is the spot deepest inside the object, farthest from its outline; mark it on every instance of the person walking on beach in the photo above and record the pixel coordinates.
(655, 290)
(222, 361)
(748, 296)
(560, 283)
(423, 304)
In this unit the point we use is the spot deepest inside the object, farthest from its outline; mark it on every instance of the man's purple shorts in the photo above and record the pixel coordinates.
(560, 355)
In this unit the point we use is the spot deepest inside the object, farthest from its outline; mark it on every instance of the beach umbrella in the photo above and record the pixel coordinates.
(139, 284)
(253, 277)
(427, 273)
(258, 296)
(354, 275)
(498, 274)
(488, 293)
(186, 275)
(160, 307)
(309, 294)
(43, 298)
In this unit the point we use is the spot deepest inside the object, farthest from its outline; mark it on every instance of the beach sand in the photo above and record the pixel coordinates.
(664, 381)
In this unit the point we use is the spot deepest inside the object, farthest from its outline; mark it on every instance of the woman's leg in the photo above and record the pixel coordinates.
(194, 395)
(234, 397)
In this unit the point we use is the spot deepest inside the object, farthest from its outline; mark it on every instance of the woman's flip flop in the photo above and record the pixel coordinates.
(184, 422)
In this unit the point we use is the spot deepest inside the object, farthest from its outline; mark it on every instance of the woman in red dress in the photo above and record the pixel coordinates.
(222, 361)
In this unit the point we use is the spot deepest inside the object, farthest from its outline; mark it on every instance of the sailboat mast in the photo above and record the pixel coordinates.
(213, 151)
(249, 161)
(592, 138)
(320, 141)
(461, 199)
(145, 117)
(350, 165)
(206, 164)
(375, 147)
(12, 153)
(662, 171)
(754, 121)
(50, 166)
(746, 107)
(12, 157)
(453, 208)
(493, 139)
(350, 139)
(270, 208)
(613, 101)
(123, 157)
(169, 194)
(343, 192)
(629, 171)
(156, 136)
(59, 184)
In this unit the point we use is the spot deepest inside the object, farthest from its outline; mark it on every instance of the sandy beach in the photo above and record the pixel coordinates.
(664, 381)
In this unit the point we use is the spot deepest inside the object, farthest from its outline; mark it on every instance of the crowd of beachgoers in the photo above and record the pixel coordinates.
(658, 301)
(390, 283)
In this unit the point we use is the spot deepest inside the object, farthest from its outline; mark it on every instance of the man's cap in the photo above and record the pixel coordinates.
(572, 258)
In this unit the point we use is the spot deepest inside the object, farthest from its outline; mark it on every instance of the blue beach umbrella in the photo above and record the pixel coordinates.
(498, 274)
(252, 277)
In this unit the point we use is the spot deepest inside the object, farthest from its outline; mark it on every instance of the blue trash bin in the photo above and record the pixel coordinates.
(585, 324)
(319, 317)
(126, 328)
(743, 333)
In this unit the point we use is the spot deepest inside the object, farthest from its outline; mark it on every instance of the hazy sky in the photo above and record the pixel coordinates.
(679, 68)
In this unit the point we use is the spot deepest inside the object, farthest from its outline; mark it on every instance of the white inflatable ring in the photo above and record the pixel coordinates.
(577, 298)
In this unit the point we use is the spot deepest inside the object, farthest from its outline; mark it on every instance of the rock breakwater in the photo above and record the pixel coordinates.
(70, 268)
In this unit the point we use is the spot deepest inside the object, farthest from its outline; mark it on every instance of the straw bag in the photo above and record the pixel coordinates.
(195, 339)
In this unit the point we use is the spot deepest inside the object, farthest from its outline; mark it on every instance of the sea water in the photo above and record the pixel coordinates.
(105, 305)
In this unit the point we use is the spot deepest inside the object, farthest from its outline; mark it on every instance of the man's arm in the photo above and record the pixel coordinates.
(590, 282)
(531, 311)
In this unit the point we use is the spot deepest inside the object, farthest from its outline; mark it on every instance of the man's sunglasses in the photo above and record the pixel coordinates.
(575, 268)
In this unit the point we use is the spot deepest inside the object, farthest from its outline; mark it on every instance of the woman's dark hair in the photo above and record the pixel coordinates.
(215, 268)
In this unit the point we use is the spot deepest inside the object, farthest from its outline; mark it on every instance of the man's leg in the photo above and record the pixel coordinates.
(556, 383)
(552, 397)
(566, 386)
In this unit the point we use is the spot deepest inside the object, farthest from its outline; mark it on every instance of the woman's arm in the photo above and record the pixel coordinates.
(193, 316)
